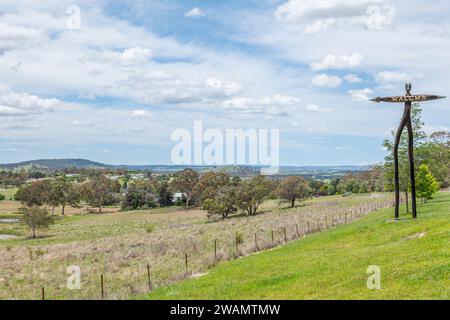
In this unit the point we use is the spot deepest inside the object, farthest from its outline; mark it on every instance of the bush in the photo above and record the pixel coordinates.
(2, 197)
(149, 228)
(137, 198)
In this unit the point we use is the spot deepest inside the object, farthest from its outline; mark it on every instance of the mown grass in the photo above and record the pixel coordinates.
(414, 257)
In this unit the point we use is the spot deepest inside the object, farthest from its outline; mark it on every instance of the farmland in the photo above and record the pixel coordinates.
(120, 244)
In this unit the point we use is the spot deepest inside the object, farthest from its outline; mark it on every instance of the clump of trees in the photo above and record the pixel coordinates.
(99, 190)
(225, 195)
(50, 192)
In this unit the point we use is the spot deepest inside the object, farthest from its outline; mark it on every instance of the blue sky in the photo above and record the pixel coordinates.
(115, 87)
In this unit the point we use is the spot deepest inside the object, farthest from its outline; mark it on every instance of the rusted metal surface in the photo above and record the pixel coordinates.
(408, 99)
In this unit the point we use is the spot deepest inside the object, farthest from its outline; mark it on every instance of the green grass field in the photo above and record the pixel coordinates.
(120, 245)
(8, 193)
(414, 258)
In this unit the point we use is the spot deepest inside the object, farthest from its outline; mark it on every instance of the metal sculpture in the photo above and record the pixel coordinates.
(408, 99)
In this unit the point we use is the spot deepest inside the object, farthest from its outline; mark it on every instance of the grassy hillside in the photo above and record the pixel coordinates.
(414, 258)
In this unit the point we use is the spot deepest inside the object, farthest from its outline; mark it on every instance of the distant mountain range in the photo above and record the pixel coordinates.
(59, 164)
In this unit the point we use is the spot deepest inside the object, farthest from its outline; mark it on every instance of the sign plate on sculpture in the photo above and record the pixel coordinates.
(412, 98)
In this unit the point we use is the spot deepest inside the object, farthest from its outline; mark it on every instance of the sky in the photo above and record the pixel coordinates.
(110, 81)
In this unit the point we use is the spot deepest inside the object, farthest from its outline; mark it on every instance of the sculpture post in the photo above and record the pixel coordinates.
(406, 121)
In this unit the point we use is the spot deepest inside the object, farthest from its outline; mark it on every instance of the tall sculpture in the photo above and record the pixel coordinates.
(408, 99)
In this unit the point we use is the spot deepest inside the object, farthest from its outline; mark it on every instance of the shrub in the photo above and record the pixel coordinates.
(149, 228)
(2, 197)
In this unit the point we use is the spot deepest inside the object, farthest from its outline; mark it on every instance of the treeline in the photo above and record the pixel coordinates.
(15, 179)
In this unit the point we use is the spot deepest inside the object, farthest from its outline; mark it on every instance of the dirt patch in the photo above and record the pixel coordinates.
(7, 236)
(415, 236)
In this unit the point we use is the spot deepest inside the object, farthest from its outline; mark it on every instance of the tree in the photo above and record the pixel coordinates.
(223, 204)
(436, 154)
(34, 194)
(252, 193)
(419, 140)
(66, 193)
(427, 185)
(209, 183)
(292, 189)
(35, 217)
(96, 190)
(162, 191)
(54, 195)
(185, 181)
(138, 195)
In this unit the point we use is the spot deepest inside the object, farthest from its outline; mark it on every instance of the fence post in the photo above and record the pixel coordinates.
(296, 229)
(256, 242)
(272, 237)
(149, 278)
(215, 249)
(285, 236)
(102, 287)
(186, 261)
(308, 227)
(43, 293)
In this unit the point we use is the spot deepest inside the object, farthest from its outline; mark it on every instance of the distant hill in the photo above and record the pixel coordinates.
(54, 164)
(317, 172)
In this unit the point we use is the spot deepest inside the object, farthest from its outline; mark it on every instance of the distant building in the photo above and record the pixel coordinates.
(178, 196)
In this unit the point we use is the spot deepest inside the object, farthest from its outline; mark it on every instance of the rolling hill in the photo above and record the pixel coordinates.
(413, 257)
(317, 172)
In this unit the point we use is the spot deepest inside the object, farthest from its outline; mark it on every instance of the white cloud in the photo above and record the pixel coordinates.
(276, 105)
(15, 103)
(195, 13)
(130, 56)
(326, 81)
(338, 62)
(141, 114)
(392, 76)
(319, 15)
(360, 95)
(319, 25)
(13, 36)
(172, 88)
(316, 109)
(11, 111)
(352, 78)
(318, 129)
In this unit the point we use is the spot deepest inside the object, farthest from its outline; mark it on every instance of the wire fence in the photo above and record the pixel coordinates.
(191, 260)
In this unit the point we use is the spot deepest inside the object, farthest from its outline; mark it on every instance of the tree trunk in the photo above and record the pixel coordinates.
(100, 209)
(33, 232)
(53, 210)
(407, 202)
(293, 203)
(187, 202)
(63, 208)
